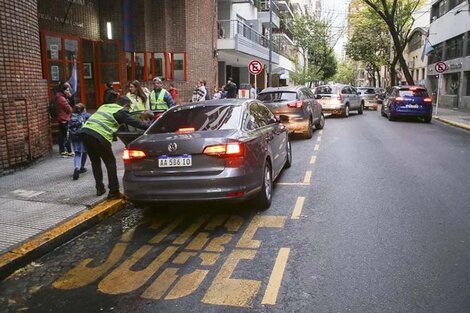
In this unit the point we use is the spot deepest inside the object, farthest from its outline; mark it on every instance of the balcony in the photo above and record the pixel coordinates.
(286, 6)
(263, 13)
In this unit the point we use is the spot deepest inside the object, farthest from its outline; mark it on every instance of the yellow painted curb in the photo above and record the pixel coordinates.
(99, 212)
(456, 124)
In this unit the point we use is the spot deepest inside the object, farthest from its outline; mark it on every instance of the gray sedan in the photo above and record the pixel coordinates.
(214, 150)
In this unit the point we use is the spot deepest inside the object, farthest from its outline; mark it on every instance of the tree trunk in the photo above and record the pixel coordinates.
(399, 50)
(378, 77)
(393, 72)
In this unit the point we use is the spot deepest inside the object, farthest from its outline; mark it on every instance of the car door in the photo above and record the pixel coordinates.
(355, 98)
(314, 105)
(388, 99)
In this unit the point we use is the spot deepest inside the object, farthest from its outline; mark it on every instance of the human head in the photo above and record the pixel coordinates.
(79, 108)
(229, 80)
(157, 82)
(109, 84)
(134, 86)
(112, 97)
(124, 101)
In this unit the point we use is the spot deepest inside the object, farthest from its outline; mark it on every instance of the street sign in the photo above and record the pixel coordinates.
(255, 67)
(441, 67)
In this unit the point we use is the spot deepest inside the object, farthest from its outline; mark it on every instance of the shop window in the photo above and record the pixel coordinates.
(454, 48)
(129, 61)
(139, 66)
(159, 65)
(148, 62)
(452, 83)
(54, 47)
(71, 49)
(144, 66)
(178, 66)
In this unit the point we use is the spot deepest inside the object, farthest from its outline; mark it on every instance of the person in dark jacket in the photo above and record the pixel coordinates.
(231, 88)
(108, 92)
(97, 136)
(64, 112)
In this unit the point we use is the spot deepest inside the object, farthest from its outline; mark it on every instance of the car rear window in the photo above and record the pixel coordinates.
(277, 96)
(367, 91)
(326, 90)
(413, 93)
(199, 117)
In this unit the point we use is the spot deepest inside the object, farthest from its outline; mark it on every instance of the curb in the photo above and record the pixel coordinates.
(58, 235)
(456, 124)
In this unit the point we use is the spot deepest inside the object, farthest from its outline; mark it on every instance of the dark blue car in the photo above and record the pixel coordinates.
(404, 101)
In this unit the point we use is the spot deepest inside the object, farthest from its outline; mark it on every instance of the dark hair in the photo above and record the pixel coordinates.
(138, 90)
(124, 100)
(111, 96)
(109, 84)
(79, 108)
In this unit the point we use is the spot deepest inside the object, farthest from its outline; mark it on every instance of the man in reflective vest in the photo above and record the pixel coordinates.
(97, 136)
(160, 98)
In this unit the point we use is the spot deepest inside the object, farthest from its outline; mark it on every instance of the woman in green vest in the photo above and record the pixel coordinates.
(139, 100)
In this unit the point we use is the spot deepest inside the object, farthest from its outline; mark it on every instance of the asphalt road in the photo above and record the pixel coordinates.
(373, 216)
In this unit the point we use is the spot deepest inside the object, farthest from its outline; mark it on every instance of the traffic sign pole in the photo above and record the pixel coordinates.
(438, 92)
(440, 67)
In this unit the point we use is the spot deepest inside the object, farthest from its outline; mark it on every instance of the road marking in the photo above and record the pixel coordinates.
(190, 230)
(293, 184)
(308, 176)
(225, 290)
(316, 148)
(313, 159)
(298, 208)
(258, 221)
(319, 138)
(167, 230)
(187, 284)
(274, 284)
(321, 132)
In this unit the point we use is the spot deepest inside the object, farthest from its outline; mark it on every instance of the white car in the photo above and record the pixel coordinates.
(339, 99)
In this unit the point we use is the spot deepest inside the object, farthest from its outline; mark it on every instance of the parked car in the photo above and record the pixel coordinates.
(407, 101)
(380, 94)
(368, 99)
(298, 104)
(339, 99)
(227, 149)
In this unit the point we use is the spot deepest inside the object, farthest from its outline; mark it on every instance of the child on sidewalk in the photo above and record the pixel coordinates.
(78, 118)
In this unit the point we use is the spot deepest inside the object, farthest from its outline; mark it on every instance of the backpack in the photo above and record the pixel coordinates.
(52, 109)
(75, 124)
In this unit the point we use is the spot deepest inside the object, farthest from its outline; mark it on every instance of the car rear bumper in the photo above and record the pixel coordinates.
(370, 104)
(297, 125)
(231, 184)
(400, 111)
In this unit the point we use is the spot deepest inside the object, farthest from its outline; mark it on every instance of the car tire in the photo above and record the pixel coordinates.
(382, 112)
(289, 155)
(346, 111)
(391, 118)
(428, 119)
(321, 122)
(308, 133)
(361, 108)
(264, 198)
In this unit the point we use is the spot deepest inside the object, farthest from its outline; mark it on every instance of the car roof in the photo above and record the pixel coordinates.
(409, 86)
(283, 88)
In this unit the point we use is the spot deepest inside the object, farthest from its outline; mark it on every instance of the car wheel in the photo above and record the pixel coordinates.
(321, 122)
(428, 119)
(391, 117)
(289, 155)
(346, 111)
(382, 112)
(308, 133)
(264, 198)
(361, 108)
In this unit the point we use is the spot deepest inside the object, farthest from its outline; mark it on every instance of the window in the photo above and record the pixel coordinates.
(109, 57)
(277, 96)
(452, 83)
(468, 43)
(454, 48)
(259, 116)
(467, 74)
(454, 3)
(415, 42)
(436, 54)
(147, 65)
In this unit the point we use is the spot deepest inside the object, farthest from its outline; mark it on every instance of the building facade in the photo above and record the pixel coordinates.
(449, 33)
(104, 41)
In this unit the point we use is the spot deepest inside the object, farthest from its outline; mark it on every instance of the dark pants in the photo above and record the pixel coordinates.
(97, 151)
(64, 143)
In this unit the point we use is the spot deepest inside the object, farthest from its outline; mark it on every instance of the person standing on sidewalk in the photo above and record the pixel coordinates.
(137, 96)
(97, 135)
(160, 98)
(78, 119)
(64, 112)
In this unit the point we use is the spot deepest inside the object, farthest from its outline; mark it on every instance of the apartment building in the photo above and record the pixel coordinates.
(449, 33)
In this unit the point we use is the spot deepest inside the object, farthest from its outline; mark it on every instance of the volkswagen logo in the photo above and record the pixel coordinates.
(172, 147)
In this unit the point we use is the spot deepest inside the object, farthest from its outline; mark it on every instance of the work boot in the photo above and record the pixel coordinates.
(76, 174)
(114, 195)
(100, 192)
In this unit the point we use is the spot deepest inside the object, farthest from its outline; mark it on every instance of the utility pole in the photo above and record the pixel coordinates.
(270, 41)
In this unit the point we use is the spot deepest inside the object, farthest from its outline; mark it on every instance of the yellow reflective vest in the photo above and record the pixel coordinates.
(103, 121)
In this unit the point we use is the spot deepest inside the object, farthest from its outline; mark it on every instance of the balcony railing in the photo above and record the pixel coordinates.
(229, 29)
(263, 5)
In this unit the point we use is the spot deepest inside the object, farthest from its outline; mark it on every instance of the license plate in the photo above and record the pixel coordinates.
(412, 106)
(184, 160)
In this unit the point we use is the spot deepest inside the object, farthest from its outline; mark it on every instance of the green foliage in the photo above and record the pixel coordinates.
(346, 74)
(304, 75)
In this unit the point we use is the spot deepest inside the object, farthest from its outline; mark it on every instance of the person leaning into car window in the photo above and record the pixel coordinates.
(97, 136)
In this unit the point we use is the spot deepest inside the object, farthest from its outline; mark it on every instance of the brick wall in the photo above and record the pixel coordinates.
(24, 122)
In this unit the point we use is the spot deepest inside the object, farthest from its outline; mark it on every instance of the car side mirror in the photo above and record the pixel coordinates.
(283, 118)
(317, 96)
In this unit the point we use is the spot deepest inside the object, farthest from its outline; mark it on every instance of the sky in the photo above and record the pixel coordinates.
(337, 10)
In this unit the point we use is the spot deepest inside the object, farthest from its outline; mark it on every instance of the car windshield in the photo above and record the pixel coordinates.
(325, 90)
(367, 91)
(413, 93)
(277, 96)
(198, 117)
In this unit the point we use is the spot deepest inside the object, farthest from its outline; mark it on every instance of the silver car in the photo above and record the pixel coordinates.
(339, 99)
(368, 97)
(228, 149)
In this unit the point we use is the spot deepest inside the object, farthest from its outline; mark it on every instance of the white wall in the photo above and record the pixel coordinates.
(245, 10)
(450, 25)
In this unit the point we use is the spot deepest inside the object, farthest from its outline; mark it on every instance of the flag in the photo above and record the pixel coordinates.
(427, 49)
(72, 81)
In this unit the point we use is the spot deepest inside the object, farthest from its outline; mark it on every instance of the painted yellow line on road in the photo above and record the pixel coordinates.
(274, 284)
(308, 176)
(298, 208)
(316, 148)
(292, 184)
(313, 159)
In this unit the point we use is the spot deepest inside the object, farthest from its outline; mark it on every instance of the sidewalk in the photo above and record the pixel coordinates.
(38, 199)
(455, 117)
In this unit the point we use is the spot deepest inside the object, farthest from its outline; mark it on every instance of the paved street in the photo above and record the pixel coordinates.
(371, 217)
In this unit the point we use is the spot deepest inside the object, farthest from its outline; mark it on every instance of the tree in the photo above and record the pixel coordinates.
(315, 40)
(397, 14)
(345, 74)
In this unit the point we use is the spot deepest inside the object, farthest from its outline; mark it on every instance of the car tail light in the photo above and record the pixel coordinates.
(234, 149)
(183, 130)
(427, 100)
(132, 155)
(399, 99)
(235, 194)
(296, 104)
(340, 97)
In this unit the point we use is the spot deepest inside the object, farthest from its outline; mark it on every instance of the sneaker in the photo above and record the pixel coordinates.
(82, 170)
(76, 174)
(114, 195)
(70, 154)
(100, 192)
(64, 154)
